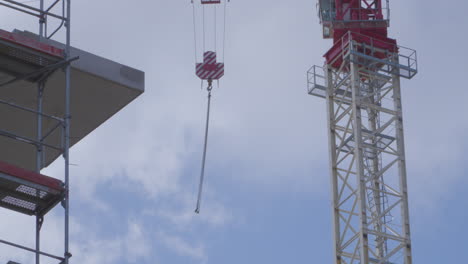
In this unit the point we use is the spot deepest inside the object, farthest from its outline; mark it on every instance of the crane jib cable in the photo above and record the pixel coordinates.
(205, 146)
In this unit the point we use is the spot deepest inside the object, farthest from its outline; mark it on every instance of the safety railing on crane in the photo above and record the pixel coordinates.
(316, 81)
(329, 13)
(390, 57)
(317, 84)
(365, 14)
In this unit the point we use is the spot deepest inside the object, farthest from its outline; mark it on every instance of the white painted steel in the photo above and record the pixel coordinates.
(367, 157)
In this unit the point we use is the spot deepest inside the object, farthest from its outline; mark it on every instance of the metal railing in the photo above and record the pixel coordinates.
(316, 81)
(363, 14)
(386, 57)
(354, 15)
(44, 13)
(392, 58)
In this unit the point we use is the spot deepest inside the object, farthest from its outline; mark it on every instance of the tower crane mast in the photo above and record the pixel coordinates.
(360, 83)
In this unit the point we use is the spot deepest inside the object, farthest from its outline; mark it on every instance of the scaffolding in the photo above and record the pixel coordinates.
(37, 75)
(34, 61)
(361, 85)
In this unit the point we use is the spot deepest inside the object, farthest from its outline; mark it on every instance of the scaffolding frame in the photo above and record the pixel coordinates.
(367, 155)
(40, 76)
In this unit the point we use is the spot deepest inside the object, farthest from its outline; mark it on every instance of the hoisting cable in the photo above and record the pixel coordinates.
(194, 32)
(204, 34)
(224, 30)
(202, 173)
(215, 30)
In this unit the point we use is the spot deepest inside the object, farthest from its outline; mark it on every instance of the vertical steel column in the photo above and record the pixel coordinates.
(332, 162)
(402, 168)
(358, 153)
(67, 132)
(40, 148)
(375, 202)
(40, 92)
(41, 20)
(39, 156)
(343, 173)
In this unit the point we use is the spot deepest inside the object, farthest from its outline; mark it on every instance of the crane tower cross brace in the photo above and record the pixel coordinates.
(361, 85)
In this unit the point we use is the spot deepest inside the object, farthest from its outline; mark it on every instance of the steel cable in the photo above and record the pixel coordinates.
(204, 37)
(202, 173)
(215, 29)
(194, 32)
(224, 30)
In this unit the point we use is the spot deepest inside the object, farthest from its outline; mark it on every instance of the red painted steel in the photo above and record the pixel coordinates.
(358, 9)
(363, 22)
(376, 41)
(32, 177)
(210, 69)
(204, 2)
(31, 43)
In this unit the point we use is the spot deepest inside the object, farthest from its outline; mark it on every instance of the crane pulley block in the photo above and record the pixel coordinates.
(210, 69)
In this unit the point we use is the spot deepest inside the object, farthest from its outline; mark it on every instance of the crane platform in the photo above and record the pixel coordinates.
(28, 192)
(99, 89)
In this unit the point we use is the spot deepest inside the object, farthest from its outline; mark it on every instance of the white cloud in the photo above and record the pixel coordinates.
(18, 229)
(213, 213)
(133, 246)
(87, 246)
(137, 245)
(147, 154)
(182, 247)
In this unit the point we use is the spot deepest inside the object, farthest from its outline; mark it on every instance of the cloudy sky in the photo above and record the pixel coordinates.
(267, 199)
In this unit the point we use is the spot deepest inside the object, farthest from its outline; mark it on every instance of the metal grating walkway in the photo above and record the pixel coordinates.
(28, 192)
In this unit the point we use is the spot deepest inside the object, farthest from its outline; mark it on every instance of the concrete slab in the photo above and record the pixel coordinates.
(99, 89)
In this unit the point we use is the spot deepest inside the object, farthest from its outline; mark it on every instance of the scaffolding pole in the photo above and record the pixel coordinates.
(67, 119)
(40, 93)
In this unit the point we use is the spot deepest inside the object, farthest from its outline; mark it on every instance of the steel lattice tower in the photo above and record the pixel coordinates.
(361, 84)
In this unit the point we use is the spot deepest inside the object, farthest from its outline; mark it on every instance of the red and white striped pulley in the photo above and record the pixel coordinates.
(210, 69)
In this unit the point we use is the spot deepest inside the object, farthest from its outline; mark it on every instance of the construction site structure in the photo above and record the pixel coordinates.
(360, 82)
(52, 95)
